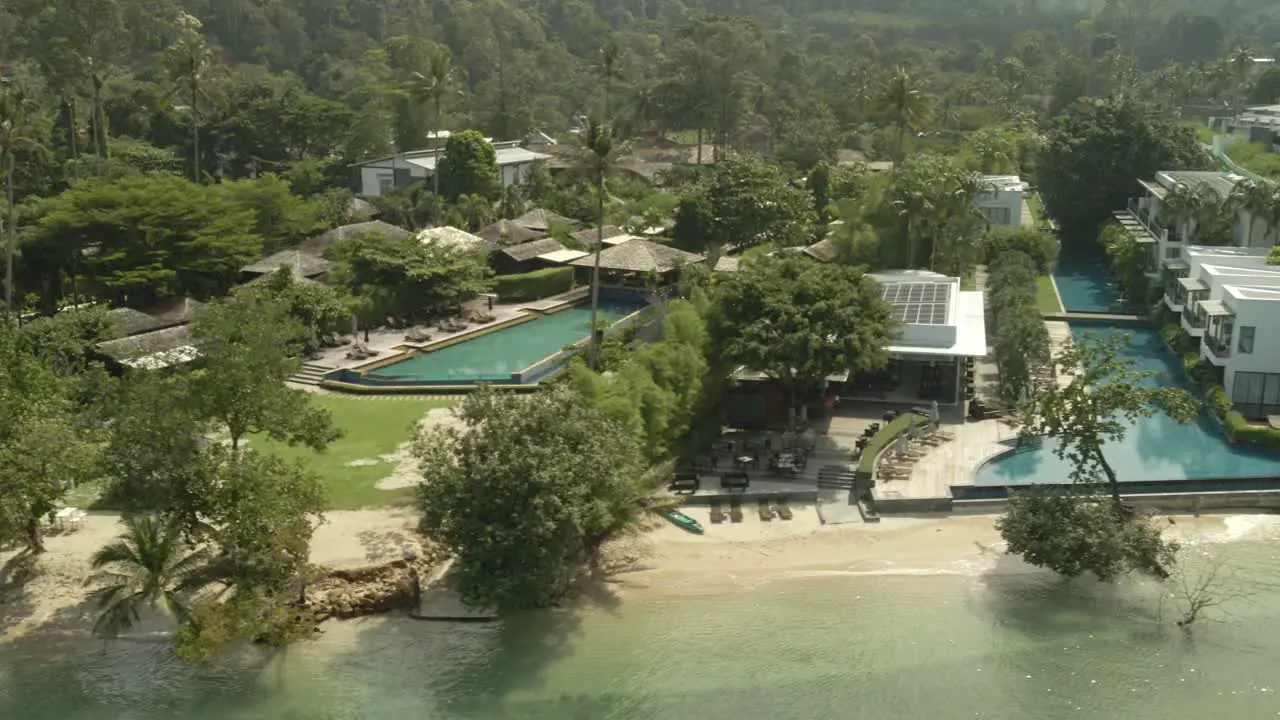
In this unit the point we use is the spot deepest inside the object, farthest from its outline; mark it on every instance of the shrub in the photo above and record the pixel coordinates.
(1215, 398)
(1039, 246)
(1239, 430)
(534, 285)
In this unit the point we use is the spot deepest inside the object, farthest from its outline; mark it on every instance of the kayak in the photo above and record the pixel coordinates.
(682, 521)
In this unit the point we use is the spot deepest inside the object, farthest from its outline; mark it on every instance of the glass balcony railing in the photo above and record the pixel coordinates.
(1220, 347)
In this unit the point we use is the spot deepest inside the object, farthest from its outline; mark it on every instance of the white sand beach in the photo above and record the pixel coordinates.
(665, 559)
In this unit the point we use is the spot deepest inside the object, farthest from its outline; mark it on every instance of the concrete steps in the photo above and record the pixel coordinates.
(836, 477)
(310, 374)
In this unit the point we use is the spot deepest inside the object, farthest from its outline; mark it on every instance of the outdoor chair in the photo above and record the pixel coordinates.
(735, 510)
(766, 514)
(783, 509)
(717, 513)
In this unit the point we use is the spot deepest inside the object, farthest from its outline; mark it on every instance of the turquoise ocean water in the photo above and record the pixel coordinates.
(969, 640)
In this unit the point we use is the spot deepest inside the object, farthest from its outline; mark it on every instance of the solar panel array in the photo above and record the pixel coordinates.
(918, 303)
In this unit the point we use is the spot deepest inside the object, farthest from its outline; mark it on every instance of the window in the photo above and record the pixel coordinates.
(1246, 339)
(1256, 395)
(997, 215)
(386, 184)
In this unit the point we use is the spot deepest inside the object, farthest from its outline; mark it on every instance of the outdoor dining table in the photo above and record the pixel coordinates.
(68, 517)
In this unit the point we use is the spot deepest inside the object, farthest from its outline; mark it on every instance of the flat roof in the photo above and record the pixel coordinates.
(1154, 188)
(918, 303)
(1253, 293)
(1221, 183)
(503, 156)
(1214, 307)
(1191, 284)
(971, 331)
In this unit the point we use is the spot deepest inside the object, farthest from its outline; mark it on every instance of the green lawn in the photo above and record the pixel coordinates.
(371, 427)
(1046, 296)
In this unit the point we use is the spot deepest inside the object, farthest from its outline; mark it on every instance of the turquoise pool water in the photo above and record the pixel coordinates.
(496, 355)
(1083, 283)
(1155, 448)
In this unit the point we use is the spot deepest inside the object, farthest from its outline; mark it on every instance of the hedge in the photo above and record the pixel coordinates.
(1241, 431)
(885, 436)
(534, 285)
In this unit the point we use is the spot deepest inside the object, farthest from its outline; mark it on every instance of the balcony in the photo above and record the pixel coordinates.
(1219, 331)
(1193, 316)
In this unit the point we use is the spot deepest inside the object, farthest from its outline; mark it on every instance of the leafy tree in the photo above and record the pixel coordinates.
(1095, 152)
(318, 308)
(147, 566)
(930, 204)
(1198, 214)
(469, 166)
(527, 491)
(280, 217)
(44, 447)
(1074, 533)
(248, 347)
(743, 202)
(1040, 247)
(16, 133)
(798, 322)
(408, 278)
(1258, 201)
(1104, 395)
(1125, 261)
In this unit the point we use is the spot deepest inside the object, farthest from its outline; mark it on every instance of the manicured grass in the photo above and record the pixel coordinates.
(1046, 296)
(969, 281)
(371, 427)
(1256, 157)
(1203, 133)
(887, 435)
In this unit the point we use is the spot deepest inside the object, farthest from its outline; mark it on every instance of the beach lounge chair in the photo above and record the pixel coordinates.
(784, 509)
(735, 510)
(766, 514)
(717, 513)
(417, 335)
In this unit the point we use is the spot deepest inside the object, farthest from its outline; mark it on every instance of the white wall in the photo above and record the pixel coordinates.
(1265, 316)
(1008, 200)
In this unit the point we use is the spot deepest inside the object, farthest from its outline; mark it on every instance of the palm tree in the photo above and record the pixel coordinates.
(15, 134)
(1251, 197)
(147, 566)
(1182, 205)
(601, 154)
(903, 100)
(434, 85)
(476, 209)
(188, 63)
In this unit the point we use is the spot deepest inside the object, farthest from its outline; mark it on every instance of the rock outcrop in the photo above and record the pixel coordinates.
(394, 585)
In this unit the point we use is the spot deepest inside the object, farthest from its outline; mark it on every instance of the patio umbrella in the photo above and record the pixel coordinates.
(912, 430)
(900, 445)
(934, 416)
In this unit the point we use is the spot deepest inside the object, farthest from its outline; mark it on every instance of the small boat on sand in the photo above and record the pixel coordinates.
(682, 521)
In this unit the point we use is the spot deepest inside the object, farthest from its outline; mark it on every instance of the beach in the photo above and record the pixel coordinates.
(663, 559)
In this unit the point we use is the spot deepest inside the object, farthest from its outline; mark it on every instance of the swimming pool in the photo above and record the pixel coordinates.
(500, 354)
(1083, 284)
(1154, 449)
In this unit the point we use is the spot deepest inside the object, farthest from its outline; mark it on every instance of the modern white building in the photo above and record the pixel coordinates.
(1164, 238)
(1256, 123)
(939, 326)
(385, 175)
(1001, 201)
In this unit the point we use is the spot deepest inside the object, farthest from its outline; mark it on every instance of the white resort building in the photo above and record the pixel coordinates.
(385, 175)
(940, 327)
(1226, 296)
(1001, 201)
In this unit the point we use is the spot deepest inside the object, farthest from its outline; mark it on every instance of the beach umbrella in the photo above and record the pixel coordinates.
(912, 430)
(934, 416)
(900, 445)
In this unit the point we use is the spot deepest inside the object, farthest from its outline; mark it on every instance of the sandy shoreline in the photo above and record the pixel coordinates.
(664, 559)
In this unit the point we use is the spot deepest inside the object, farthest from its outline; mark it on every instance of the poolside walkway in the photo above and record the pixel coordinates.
(951, 463)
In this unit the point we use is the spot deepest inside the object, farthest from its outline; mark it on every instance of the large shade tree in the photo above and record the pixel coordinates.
(526, 490)
(798, 322)
(1098, 150)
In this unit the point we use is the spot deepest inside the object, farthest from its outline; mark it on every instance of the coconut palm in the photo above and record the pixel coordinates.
(188, 63)
(16, 134)
(147, 566)
(476, 210)
(433, 84)
(600, 152)
(1252, 197)
(904, 101)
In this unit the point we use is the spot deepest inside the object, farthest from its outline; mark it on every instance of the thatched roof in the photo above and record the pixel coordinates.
(160, 348)
(322, 242)
(506, 232)
(531, 250)
(450, 236)
(303, 263)
(823, 251)
(639, 256)
(727, 263)
(588, 236)
(132, 322)
(540, 219)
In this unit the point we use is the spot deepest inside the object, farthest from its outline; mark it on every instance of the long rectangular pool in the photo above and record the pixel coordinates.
(1083, 284)
(1155, 448)
(499, 354)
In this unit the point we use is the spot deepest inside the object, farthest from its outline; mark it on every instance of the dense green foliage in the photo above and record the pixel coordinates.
(526, 491)
(533, 285)
(1096, 151)
(469, 167)
(798, 322)
(1038, 246)
(1074, 533)
(1021, 341)
(741, 203)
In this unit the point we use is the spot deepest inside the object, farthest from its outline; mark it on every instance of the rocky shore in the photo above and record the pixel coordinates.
(357, 592)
